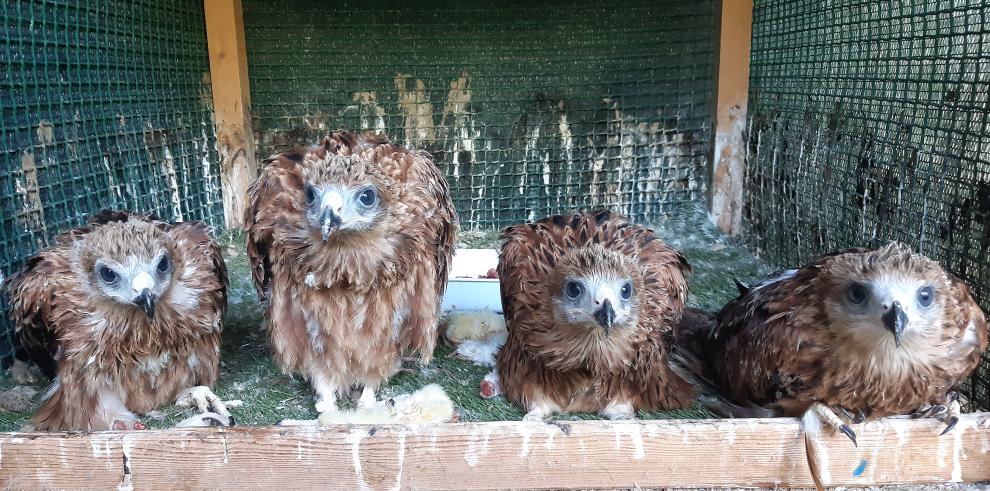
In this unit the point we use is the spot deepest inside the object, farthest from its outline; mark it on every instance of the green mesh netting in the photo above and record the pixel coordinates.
(530, 108)
(102, 104)
(869, 123)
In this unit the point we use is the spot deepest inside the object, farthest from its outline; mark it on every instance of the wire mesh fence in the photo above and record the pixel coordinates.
(869, 123)
(530, 109)
(102, 104)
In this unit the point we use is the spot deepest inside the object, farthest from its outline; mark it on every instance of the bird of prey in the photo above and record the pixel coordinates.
(855, 334)
(591, 304)
(350, 241)
(125, 313)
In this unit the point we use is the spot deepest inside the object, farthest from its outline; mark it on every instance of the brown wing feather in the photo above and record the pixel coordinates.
(32, 294)
(197, 237)
(266, 196)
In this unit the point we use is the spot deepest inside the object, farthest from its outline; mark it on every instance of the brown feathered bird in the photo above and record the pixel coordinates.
(591, 304)
(126, 314)
(855, 334)
(350, 241)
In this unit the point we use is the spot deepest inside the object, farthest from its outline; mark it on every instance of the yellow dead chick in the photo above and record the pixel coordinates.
(476, 325)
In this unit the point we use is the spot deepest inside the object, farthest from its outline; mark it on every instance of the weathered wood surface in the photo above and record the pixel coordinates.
(231, 104)
(585, 454)
(732, 78)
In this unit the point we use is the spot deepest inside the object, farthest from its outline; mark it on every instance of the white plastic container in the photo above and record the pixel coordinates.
(465, 290)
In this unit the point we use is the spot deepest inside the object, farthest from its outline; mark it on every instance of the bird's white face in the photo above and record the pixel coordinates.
(888, 308)
(135, 281)
(331, 208)
(603, 301)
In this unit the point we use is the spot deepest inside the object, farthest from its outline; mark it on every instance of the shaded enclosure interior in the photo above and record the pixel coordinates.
(867, 123)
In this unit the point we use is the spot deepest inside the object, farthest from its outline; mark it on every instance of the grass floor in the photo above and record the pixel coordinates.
(249, 375)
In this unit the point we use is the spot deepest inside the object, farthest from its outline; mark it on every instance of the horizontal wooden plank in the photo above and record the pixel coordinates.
(585, 454)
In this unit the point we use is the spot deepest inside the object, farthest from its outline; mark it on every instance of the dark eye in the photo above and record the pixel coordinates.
(107, 275)
(310, 195)
(926, 295)
(368, 197)
(857, 294)
(163, 265)
(573, 290)
(626, 291)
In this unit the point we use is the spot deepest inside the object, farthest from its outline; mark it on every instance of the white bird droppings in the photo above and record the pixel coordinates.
(634, 432)
(355, 437)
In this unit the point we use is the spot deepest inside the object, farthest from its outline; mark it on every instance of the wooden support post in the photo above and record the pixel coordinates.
(735, 27)
(516, 455)
(231, 104)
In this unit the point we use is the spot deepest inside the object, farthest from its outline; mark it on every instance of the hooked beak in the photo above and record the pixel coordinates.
(329, 223)
(895, 320)
(143, 283)
(146, 300)
(605, 315)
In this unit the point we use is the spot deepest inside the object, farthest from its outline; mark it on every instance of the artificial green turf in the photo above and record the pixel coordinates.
(248, 373)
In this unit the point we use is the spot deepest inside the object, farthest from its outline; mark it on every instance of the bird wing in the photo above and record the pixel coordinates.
(430, 223)
(34, 293)
(427, 187)
(526, 257)
(267, 198)
(761, 346)
(204, 253)
(970, 339)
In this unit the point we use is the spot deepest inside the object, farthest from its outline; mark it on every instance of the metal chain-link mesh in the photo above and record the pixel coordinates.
(869, 123)
(530, 109)
(102, 104)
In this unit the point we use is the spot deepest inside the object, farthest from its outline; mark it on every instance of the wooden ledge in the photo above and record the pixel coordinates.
(584, 454)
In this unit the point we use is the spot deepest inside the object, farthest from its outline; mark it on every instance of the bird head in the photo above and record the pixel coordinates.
(596, 290)
(344, 195)
(890, 296)
(130, 263)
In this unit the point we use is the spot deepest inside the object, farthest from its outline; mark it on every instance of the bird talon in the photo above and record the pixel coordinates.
(951, 415)
(850, 433)
(929, 411)
(202, 398)
(949, 425)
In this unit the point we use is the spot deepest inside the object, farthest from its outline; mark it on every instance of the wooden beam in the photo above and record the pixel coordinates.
(574, 454)
(231, 104)
(735, 27)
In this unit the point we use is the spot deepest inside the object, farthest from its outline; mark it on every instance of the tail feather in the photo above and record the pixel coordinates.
(689, 361)
(694, 331)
